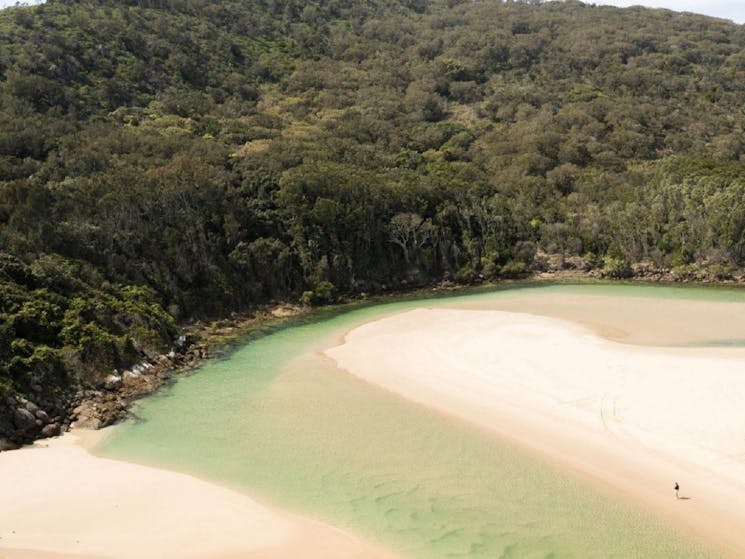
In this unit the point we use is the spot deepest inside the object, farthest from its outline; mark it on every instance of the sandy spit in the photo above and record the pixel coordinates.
(632, 420)
(61, 502)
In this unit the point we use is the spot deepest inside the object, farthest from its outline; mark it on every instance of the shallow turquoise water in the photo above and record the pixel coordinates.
(281, 423)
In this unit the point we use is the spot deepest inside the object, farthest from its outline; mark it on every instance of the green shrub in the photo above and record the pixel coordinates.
(514, 269)
(466, 274)
(616, 267)
(323, 293)
(720, 272)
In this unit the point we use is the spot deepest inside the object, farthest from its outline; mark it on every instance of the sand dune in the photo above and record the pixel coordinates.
(60, 502)
(632, 419)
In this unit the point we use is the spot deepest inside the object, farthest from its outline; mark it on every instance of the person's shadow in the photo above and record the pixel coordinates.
(684, 498)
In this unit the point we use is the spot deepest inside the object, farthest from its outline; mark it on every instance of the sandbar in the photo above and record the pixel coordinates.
(631, 420)
(61, 502)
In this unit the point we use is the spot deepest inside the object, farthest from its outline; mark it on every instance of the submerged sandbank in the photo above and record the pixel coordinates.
(59, 501)
(651, 315)
(633, 419)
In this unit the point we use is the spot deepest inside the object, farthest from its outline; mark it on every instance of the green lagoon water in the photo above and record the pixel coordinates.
(281, 423)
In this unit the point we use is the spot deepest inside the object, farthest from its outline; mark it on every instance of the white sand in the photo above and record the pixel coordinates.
(633, 419)
(58, 501)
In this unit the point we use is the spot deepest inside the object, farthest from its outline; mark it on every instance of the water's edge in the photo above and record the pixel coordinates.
(296, 432)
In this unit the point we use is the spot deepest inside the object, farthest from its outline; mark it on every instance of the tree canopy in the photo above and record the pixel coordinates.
(166, 159)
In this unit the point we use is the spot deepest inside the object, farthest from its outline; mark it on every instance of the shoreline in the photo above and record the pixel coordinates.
(110, 402)
(540, 448)
(61, 502)
(590, 431)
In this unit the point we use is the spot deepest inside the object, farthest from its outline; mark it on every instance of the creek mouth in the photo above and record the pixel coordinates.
(278, 421)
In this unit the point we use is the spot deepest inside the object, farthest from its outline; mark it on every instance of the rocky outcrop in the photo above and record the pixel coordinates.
(109, 402)
(22, 421)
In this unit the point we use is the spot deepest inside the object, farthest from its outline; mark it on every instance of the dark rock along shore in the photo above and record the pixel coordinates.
(23, 421)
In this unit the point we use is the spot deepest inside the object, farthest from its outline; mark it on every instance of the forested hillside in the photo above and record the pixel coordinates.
(161, 160)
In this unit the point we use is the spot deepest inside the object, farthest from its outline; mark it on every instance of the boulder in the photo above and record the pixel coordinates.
(42, 416)
(130, 378)
(23, 419)
(7, 444)
(6, 425)
(30, 406)
(112, 382)
(85, 410)
(85, 422)
(51, 430)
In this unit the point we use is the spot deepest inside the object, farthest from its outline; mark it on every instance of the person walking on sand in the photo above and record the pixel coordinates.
(677, 488)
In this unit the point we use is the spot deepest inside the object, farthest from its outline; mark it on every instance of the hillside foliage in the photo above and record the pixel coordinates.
(168, 159)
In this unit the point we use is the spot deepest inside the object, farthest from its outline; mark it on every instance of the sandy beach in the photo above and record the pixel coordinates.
(633, 420)
(61, 502)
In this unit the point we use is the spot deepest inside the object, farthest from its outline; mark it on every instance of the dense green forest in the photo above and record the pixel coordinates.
(168, 159)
